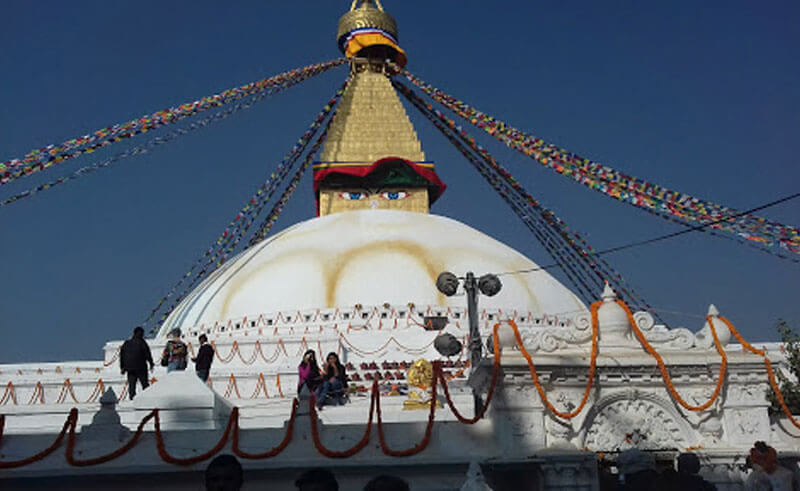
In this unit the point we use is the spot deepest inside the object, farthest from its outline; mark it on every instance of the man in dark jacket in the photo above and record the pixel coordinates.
(134, 356)
(205, 355)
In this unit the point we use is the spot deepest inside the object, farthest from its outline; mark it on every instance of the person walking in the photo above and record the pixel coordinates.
(134, 357)
(204, 358)
(175, 352)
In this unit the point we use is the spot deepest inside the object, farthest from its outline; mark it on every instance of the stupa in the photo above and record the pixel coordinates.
(360, 280)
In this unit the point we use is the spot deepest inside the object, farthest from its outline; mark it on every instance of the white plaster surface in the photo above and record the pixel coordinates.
(366, 257)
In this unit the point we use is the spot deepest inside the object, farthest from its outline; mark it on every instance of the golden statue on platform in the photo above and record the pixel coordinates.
(420, 380)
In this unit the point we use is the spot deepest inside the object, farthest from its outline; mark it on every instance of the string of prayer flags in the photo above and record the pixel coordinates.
(238, 227)
(618, 185)
(45, 157)
(566, 247)
(138, 150)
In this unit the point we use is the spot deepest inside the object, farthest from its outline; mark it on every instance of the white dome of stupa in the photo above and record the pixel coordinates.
(367, 257)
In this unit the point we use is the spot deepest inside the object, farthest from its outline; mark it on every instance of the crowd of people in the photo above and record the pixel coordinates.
(225, 473)
(637, 471)
(328, 383)
(135, 358)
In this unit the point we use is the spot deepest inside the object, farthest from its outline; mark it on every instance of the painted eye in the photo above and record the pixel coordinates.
(353, 196)
(394, 195)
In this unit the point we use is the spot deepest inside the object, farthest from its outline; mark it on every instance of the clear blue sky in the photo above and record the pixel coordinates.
(701, 97)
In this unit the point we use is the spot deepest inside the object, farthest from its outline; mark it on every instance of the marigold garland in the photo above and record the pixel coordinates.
(663, 368)
(489, 394)
(768, 365)
(339, 454)
(10, 394)
(437, 368)
(108, 457)
(269, 453)
(166, 457)
(71, 418)
(69, 428)
(535, 377)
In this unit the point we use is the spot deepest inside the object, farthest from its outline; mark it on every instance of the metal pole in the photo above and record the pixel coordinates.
(475, 345)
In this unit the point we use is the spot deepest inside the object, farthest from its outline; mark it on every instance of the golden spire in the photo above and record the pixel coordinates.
(372, 157)
(371, 123)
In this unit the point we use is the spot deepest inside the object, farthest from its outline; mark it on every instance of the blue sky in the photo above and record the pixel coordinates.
(702, 98)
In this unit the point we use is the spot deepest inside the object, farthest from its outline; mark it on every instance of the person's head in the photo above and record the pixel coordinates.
(764, 457)
(203, 339)
(633, 460)
(138, 332)
(317, 480)
(310, 356)
(386, 483)
(761, 446)
(224, 473)
(332, 358)
(175, 333)
(688, 463)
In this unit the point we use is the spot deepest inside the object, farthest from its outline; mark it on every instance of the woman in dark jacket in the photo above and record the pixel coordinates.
(334, 381)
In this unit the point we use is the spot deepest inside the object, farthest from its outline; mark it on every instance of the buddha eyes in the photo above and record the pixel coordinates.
(354, 196)
(394, 195)
(359, 195)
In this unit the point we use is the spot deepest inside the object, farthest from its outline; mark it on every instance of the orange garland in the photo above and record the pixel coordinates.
(339, 454)
(114, 357)
(37, 390)
(233, 420)
(66, 388)
(108, 457)
(166, 457)
(663, 368)
(71, 419)
(489, 393)
(770, 373)
(10, 394)
(232, 386)
(261, 386)
(437, 368)
(535, 377)
(269, 453)
(278, 383)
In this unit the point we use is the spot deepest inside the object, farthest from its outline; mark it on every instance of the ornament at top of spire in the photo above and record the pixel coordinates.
(368, 31)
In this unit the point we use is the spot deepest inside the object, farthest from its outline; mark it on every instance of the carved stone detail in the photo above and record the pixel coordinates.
(747, 395)
(559, 433)
(634, 422)
(745, 425)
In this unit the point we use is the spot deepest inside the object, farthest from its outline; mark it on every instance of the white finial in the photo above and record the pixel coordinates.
(108, 397)
(609, 295)
(475, 480)
(712, 311)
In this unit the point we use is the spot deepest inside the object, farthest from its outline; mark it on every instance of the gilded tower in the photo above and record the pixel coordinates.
(372, 157)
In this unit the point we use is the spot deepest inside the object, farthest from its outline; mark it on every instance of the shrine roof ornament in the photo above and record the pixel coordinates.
(367, 30)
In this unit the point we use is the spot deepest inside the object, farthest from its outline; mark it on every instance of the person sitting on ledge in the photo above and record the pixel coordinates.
(334, 381)
(308, 372)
